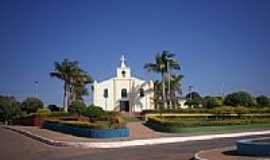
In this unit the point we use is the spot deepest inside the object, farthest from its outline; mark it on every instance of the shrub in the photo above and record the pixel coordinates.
(94, 112)
(77, 107)
(115, 120)
(193, 95)
(240, 98)
(194, 99)
(196, 102)
(54, 108)
(59, 114)
(262, 101)
(31, 105)
(43, 111)
(83, 124)
(241, 110)
(211, 102)
(223, 110)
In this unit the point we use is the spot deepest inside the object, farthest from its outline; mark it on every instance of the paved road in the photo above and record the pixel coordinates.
(14, 146)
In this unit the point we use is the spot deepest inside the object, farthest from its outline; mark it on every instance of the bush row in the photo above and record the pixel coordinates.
(195, 123)
(217, 110)
(97, 125)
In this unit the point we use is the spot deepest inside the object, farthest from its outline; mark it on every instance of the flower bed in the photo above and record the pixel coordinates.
(86, 129)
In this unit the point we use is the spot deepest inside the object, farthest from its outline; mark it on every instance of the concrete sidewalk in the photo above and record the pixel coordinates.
(59, 139)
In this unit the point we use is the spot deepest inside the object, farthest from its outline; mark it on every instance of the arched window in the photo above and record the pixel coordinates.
(141, 92)
(105, 93)
(124, 93)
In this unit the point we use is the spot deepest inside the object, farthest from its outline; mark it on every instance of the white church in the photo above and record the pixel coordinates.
(124, 93)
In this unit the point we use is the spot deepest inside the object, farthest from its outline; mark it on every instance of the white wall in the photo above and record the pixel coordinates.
(115, 85)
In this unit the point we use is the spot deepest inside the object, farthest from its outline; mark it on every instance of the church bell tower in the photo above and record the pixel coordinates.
(123, 71)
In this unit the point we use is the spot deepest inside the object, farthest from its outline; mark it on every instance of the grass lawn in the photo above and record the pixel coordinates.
(208, 129)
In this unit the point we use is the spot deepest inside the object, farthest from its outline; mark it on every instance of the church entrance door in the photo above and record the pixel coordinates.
(124, 106)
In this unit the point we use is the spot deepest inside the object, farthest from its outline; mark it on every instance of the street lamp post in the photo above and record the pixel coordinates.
(190, 91)
(36, 88)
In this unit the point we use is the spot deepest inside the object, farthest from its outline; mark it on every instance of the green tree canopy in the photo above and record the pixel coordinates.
(77, 106)
(9, 109)
(31, 105)
(262, 101)
(54, 108)
(94, 112)
(193, 95)
(75, 80)
(211, 102)
(194, 99)
(164, 62)
(240, 98)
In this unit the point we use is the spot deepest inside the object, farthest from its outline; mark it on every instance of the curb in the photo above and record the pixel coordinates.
(198, 157)
(37, 137)
(132, 143)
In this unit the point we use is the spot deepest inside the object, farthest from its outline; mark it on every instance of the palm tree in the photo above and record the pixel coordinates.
(158, 95)
(78, 86)
(67, 71)
(161, 66)
(176, 89)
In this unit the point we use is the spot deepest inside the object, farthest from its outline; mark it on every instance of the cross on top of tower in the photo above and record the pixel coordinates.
(122, 59)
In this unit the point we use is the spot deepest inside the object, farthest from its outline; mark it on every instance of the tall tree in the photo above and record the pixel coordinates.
(175, 88)
(262, 101)
(9, 109)
(158, 94)
(73, 76)
(240, 98)
(193, 99)
(79, 82)
(31, 105)
(163, 62)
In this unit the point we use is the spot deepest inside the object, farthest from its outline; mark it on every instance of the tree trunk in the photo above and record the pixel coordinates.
(164, 92)
(66, 97)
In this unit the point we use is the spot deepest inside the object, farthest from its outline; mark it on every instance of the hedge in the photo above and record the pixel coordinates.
(216, 110)
(96, 125)
(195, 123)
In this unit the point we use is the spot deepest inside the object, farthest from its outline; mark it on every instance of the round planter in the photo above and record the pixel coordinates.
(254, 147)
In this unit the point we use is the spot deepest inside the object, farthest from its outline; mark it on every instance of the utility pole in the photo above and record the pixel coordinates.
(222, 89)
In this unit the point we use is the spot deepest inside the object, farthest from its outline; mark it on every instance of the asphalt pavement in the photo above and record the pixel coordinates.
(14, 146)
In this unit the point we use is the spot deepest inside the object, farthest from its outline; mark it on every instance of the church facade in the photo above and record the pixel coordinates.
(124, 93)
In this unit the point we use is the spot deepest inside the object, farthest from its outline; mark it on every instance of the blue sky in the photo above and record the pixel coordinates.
(216, 41)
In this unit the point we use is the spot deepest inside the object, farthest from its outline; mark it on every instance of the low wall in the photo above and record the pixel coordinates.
(86, 132)
(30, 121)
